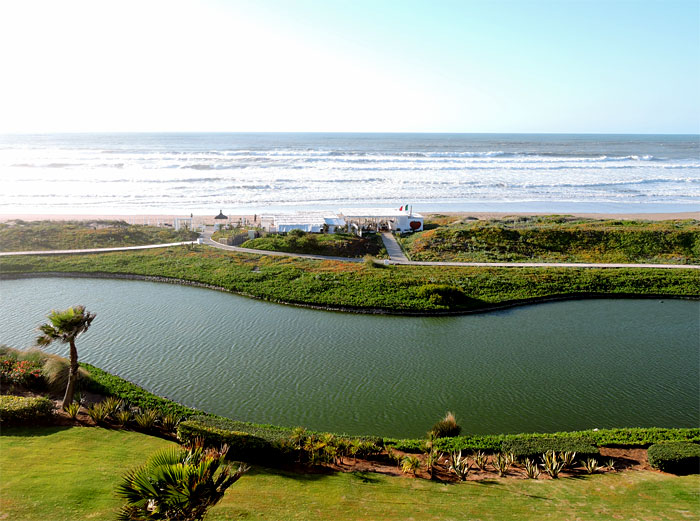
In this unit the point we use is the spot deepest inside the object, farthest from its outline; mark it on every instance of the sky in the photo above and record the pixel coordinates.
(350, 66)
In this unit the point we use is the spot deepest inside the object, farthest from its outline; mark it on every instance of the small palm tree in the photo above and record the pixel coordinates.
(66, 326)
(177, 484)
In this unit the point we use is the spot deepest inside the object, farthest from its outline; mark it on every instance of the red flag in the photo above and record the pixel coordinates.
(401, 209)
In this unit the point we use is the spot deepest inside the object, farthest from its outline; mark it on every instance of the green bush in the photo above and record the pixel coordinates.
(20, 409)
(535, 447)
(442, 295)
(255, 444)
(446, 428)
(675, 457)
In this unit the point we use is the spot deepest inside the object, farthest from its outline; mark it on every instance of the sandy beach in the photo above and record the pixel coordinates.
(209, 219)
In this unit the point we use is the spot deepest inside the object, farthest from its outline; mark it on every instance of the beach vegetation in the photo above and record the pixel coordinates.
(557, 239)
(446, 427)
(18, 235)
(349, 286)
(16, 410)
(66, 326)
(329, 244)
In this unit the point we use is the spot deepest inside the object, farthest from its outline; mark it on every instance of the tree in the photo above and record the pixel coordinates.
(177, 484)
(66, 326)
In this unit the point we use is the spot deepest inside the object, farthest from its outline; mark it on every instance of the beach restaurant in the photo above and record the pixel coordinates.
(314, 222)
(382, 219)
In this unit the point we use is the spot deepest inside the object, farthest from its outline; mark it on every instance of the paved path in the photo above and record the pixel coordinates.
(393, 249)
(394, 257)
(93, 250)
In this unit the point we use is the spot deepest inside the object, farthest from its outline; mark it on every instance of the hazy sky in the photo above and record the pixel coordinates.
(372, 66)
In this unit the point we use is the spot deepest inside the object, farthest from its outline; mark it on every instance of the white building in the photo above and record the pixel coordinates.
(381, 219)
(306, 222)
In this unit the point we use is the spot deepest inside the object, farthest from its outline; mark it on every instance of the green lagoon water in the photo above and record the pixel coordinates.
(548, 367)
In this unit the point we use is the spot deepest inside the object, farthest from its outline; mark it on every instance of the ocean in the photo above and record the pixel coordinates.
(241, 173)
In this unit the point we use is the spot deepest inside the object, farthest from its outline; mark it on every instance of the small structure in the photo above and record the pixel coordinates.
(180, 223)
(220, 220)
(306, 222)
(382, 219)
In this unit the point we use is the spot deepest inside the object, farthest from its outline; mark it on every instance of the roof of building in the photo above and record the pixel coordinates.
(308, 218)
(221, 215)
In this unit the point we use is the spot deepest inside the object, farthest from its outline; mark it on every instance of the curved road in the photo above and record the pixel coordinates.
(392, 246)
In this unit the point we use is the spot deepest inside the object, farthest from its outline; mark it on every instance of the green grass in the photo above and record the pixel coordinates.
(557, 239)
(332, 244)
(66, 235)
(356, 285)
(70, 474)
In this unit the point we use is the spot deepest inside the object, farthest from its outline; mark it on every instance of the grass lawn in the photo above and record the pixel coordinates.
(70, 474)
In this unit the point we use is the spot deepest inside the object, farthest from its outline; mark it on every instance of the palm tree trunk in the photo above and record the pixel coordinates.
(72, 376)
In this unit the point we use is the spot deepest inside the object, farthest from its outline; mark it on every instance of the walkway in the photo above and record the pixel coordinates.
(93, 250)
(397, 257)
(395, 252)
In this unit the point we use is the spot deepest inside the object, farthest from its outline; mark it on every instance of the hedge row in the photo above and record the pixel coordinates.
(675, 457)
(534, 447)
(630, 437)
(102, 382)
(16, 410)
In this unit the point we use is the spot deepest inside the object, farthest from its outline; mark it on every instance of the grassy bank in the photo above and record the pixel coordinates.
(67, 235)
(556, 239)
(70, 474)
(362, 286)
(331, 244)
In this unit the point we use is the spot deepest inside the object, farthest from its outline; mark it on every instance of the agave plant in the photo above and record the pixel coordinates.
(568, 459)
(432, 458)
(73, 409)
(610, 465)
(501, 462)
(459, 465)
(551, 464)
(112, 404)
(532, 471)
(123, 417)
(591, 465)
(170, 422)
(98, 413)
(177, 484)
(410, 464)
(147, 419)
(480, 459)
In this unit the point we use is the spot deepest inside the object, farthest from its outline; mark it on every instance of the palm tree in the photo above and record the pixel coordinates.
(177, 484)
(66, 326)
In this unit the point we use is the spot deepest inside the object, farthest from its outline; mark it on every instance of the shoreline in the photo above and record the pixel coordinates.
(342, 309)
(154, 219)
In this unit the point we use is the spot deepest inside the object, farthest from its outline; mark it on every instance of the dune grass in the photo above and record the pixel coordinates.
(330, 244)
(555, 238)
(68, 235)
(62, 473)
(361, 286)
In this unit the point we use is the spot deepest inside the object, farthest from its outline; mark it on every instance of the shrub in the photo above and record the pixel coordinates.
(147, 419)
(502, 462)
(73, 409)
(532, 471)
(459, 465)
(442, 295)
(15, 410)
(55, 371)
(112, 404)
(675, 457)
(123, 417)
(98, 412)
(533, 447)
(410, 464)
(552, 464)
(170, 421)
(446, 428)
(591, 465)
(21, 373)
(480, 459)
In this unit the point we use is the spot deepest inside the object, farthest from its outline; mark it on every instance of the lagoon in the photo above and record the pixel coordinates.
(547, 367)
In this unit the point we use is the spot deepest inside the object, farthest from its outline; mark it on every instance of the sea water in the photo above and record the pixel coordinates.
(247, 173)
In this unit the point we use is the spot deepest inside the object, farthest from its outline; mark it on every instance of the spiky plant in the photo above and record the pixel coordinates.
(551, 464)
(410, 464)
(610, 465)
(501, 462)
(177, 484)
(112, 404)
(66, 326)
(98, 412)
(394, 456)
(532, 471)
(460, 465)
(568, 459)
(481, 459)
(123, 417)
(432, 458)
(73, 409)
(591, 465)
(147, 419)
(170, 422)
